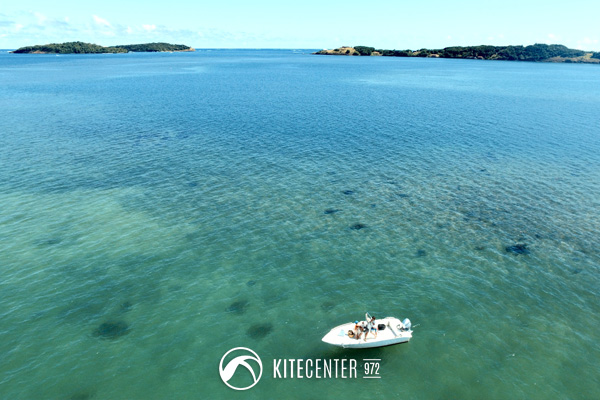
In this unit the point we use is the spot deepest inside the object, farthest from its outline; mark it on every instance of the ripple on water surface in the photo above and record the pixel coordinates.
(170, 199)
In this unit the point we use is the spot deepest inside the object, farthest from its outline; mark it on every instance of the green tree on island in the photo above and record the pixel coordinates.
(90, 48)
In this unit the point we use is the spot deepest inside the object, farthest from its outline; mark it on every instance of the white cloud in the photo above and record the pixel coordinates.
(587, 43)
(129, 30)
(550, 38)
(101, 21)
(9, 28)
(149, 28)
(41, 18)
(587, 40)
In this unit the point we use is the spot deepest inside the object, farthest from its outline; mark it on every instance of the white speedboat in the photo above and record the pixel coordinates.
(390, 331)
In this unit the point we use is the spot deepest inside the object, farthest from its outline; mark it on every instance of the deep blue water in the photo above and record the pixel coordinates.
(182, 198)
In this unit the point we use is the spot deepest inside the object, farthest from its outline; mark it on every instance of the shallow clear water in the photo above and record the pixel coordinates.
(184, 195)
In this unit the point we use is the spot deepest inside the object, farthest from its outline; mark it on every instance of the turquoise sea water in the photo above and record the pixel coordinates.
(157, 210)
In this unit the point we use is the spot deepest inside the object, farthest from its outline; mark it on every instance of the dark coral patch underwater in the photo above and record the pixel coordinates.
(238, 307)
(519, 248)
(112, 330)
(328, 305)
(259, 331)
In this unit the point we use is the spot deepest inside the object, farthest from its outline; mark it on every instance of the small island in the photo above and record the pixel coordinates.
(90, 48)
(537, 52)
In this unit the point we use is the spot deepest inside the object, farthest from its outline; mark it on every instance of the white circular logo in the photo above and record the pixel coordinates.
(229, 370)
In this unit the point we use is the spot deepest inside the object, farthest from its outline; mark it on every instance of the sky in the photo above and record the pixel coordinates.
(307, 24)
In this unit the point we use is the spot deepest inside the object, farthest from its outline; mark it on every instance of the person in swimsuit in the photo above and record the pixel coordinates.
(373, 326)
(364, 329)
(357, 330)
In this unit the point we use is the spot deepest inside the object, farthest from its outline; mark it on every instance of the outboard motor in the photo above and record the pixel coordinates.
(406, 324)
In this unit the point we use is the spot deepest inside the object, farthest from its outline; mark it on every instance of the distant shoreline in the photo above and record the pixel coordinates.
(90, 48)
(537, 53)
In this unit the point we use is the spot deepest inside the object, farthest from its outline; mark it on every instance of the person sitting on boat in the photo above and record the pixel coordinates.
(357, 330)
(362, 329)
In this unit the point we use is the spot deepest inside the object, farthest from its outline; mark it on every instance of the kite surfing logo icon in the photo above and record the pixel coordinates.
(232, 366)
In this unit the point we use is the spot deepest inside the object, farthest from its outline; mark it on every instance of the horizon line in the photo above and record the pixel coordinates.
(317, 48)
